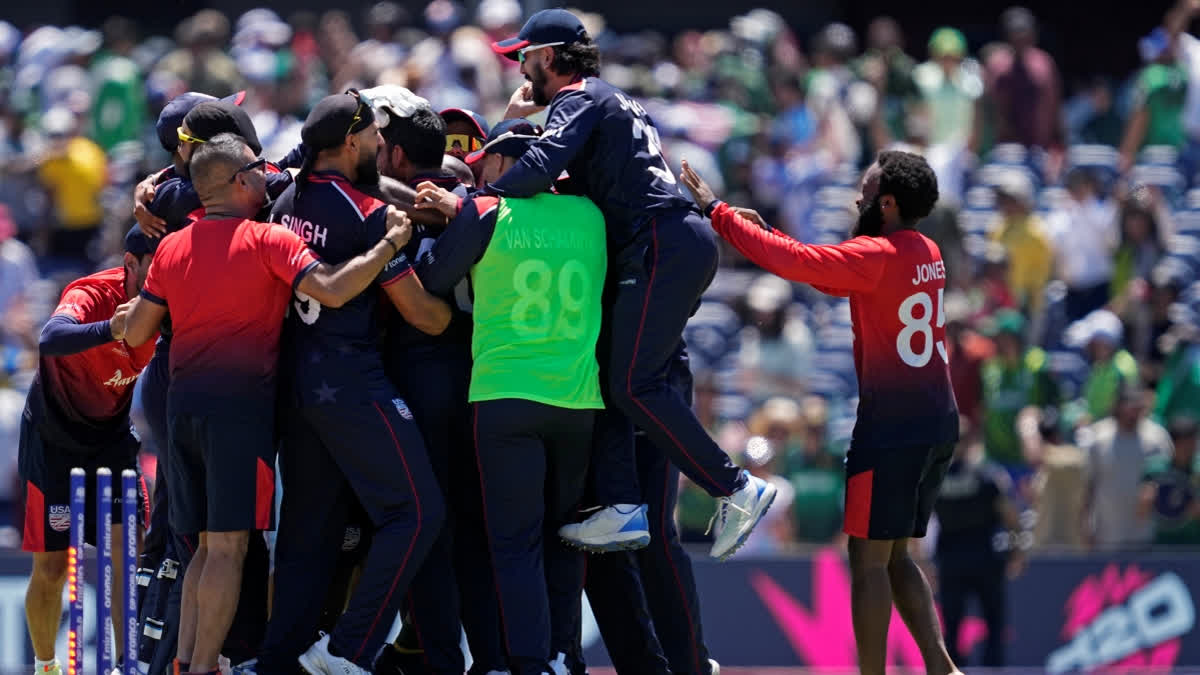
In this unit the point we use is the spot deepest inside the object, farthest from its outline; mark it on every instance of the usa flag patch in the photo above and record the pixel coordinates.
(60, 517)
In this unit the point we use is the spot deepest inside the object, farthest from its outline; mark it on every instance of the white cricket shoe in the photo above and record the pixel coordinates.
(738, 514)
(622, 527)
(318, 661)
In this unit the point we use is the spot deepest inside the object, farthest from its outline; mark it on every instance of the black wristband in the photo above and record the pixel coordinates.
(711, 207)
(395, 249)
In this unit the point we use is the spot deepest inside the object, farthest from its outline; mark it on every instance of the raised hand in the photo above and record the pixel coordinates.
(701, 192)
(430, 196)
(399, 227)
(521, 104)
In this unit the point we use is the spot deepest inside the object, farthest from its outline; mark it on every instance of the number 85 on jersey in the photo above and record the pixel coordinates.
(916, 313)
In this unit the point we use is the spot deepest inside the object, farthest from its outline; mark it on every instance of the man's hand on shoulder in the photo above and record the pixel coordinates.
(430, 196)
(143, 195)
(119, 319)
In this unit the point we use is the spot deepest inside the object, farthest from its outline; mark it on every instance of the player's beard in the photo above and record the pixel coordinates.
(367, 169)
(870, 220)
(538, 78)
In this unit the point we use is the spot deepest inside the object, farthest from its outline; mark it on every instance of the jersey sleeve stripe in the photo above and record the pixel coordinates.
(396, 278)
(485, 205)
(353, 204)
(364, 204)
(153, 298)
(303, 273)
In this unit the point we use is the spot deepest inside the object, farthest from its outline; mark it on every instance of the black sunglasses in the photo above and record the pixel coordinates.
(249, 167)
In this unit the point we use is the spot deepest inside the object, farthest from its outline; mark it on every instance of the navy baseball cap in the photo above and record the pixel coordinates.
(333, 118)
(510, 138)
(137, 243)
(171, 117)
(547, 27)
(481, 125)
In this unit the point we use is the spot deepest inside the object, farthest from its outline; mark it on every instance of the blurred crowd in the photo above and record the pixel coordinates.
(1069, 222)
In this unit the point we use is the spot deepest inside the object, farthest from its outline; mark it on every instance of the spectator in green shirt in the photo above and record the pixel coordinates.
(1101, 334)
(949, 83)
(817, 477)
(1016, 377)
(1171, 487)
(1159, 97)
(119, 110)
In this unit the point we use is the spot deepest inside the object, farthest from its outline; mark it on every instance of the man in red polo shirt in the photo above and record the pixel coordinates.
(227, 281)
(77, 415)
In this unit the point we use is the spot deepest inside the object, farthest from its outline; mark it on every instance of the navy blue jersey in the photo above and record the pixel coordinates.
(610, 148)
(332, 355)
(466, 239)
(400, 334)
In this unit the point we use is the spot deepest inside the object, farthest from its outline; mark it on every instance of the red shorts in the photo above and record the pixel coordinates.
(890, 493)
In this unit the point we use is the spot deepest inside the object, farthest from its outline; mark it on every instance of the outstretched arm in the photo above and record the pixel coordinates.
(572, 118)
(855, 265)
(63, 335)
(335, 285)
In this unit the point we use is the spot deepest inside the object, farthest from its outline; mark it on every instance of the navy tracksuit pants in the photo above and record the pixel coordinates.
(331, 456)
(533, 461)
(645, 602)
(455, 581)
(654, 286)
(160, 601)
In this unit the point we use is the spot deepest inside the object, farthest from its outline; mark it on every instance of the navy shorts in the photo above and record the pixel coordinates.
(45, 471)
(890, 492)
(221, 470)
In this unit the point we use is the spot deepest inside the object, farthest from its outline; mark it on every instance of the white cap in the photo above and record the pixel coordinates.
(1101, 324)
(392, 99)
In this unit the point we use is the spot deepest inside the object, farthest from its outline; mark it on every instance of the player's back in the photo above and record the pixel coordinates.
(333, 348)
(227, 305)
(905, 396)
(622, 167)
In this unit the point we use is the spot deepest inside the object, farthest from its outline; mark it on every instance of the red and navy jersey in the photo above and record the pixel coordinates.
(402, 336)
(466, 239)
(332, 355)
(896, 286)
(610, 148)
(176, 201)
(227, 284)
(81, 400)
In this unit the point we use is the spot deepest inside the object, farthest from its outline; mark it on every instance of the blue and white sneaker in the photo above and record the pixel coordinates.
(621, 527)
(738, 514)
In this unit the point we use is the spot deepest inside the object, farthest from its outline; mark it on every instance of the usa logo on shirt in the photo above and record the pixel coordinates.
(402, 408)
(60, 517)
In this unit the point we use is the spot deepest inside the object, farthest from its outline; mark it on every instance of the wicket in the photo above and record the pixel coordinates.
(104, 571)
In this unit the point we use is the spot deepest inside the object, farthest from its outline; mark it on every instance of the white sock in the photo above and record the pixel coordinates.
(40, 666)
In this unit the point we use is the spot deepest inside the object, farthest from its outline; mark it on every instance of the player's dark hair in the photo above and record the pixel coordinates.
(215, 161)
(422, 136)
(908, 178)
(578, 58)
